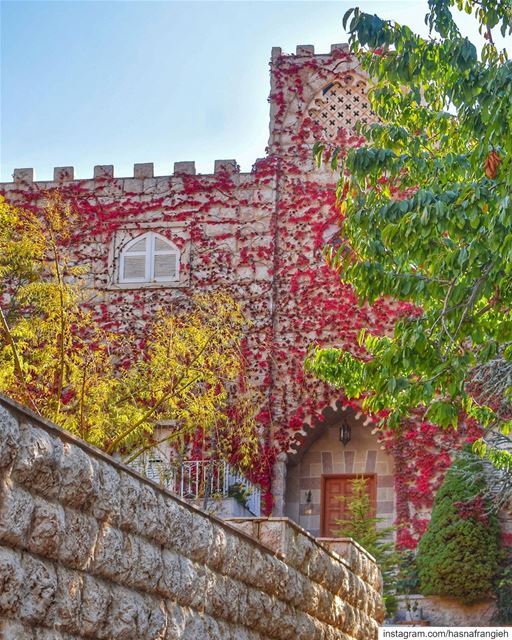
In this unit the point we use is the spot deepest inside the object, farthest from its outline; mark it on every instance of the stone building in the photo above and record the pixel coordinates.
(150, 240)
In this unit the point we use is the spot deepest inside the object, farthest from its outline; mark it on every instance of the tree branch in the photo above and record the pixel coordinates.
(17, 363)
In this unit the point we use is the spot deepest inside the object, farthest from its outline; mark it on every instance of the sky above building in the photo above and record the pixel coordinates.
(119, 82)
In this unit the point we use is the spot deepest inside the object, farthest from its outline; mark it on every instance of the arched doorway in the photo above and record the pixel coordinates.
(324, 468)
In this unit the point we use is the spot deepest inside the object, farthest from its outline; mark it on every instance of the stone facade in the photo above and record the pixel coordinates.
(446, 612)
(89, 549)
(260, 235)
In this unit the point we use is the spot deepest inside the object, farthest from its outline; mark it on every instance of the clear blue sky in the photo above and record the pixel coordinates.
(118, 82)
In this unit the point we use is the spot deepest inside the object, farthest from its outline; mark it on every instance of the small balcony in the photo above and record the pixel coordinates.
(213, 485)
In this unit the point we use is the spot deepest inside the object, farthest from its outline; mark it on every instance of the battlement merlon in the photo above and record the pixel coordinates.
(304, 50)
(141, 171)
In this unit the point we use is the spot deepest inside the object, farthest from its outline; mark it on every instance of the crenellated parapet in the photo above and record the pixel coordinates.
(309, 50)
(141, 171)
(143, 183)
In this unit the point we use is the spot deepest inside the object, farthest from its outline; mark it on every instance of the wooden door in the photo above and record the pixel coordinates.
(334, 509)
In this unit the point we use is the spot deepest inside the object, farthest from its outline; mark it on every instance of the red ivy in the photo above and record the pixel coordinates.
(233, 226)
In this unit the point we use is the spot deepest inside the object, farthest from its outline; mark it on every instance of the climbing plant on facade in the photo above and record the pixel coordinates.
(260, 236)
(113, 389)
(427, 204)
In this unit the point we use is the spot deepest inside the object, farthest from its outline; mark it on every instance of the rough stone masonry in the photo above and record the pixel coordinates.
(89, 549)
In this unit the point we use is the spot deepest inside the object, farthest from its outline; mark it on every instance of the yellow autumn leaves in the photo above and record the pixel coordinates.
(57, 358)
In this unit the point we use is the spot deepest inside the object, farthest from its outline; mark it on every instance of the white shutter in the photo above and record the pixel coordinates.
(149, 258)
(138, 246)
(162, 245)
(165, 266)
(134, 268)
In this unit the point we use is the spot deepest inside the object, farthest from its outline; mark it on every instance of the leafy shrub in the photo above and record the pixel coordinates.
(239, 492)
(503, 592)
(458, 555)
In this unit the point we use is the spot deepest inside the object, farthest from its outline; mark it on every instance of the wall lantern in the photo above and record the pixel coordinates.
(345, 432)
(308, 509)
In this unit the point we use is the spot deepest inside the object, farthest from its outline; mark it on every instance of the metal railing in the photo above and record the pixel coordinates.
(192, 479)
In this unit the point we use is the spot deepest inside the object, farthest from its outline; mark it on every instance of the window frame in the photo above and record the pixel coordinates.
(150, 253)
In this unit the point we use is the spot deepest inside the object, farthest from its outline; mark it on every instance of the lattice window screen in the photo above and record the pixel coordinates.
(340, 105)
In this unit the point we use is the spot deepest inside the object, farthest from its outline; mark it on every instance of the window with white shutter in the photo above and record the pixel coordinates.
(149, 259)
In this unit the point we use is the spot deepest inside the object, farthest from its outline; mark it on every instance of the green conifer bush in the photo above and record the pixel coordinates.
(459, 553)
(363, 526)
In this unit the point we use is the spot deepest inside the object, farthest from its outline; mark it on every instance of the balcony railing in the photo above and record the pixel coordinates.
(193, 479)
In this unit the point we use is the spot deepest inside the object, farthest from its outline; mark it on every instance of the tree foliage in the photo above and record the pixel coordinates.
(113, 389)
(459, 553)
(364, 527)
(496, 478)
(427, 204)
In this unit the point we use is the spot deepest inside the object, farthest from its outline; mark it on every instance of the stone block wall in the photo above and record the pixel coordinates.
(447, 612)
(89, 549)
(286, 538)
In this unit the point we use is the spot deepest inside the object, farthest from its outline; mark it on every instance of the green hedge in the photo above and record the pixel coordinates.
(458, 555)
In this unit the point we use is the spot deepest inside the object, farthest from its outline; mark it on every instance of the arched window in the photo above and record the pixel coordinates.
(149, 258)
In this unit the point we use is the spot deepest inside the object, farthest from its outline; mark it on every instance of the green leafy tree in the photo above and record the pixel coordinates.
(427, 203)
(459, 553)
(363, 526)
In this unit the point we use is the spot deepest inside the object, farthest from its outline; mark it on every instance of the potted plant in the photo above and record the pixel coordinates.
(412, 611)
